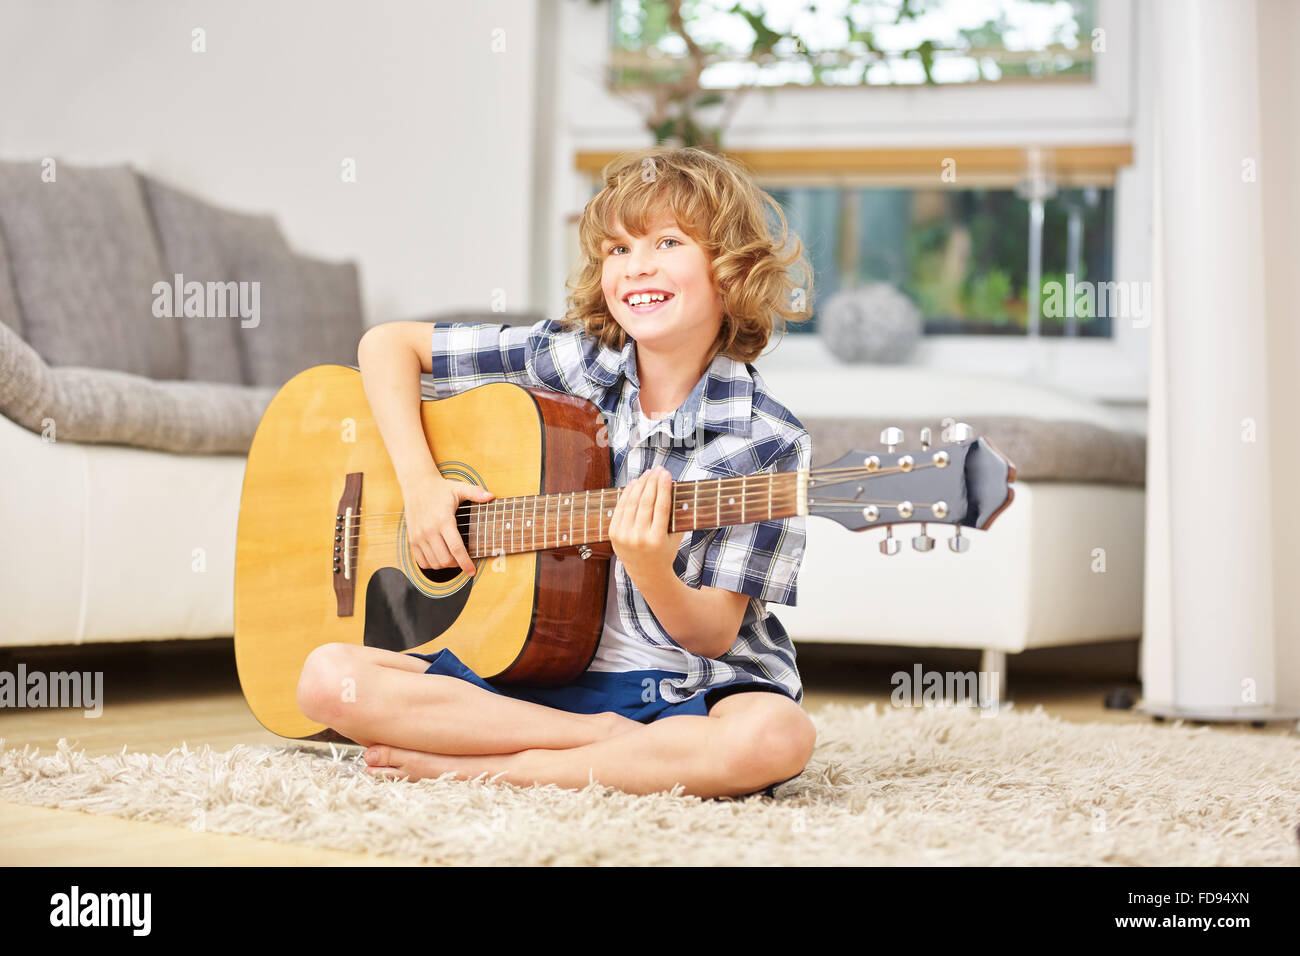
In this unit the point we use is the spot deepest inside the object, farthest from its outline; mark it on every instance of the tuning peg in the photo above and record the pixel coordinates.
(891, 436)
(958, 543)
(961, 432)
(890, 544)
(922, 541)
(925, 438)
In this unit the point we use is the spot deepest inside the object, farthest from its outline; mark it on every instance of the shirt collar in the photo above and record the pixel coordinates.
(721, 400)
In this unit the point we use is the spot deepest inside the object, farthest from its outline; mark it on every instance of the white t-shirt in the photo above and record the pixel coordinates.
(618, 650)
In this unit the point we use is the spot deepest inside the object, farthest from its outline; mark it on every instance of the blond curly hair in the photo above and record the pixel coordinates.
(716, 202)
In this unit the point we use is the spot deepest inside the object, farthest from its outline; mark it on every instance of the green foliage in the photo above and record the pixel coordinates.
(994, 285)
(1084, 308)
(987, 295)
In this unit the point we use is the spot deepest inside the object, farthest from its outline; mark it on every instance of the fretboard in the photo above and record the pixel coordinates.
(570, 518)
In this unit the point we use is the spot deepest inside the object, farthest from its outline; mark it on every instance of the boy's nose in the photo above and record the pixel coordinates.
(638, 261)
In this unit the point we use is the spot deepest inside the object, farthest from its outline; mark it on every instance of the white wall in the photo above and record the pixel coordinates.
(441, 126)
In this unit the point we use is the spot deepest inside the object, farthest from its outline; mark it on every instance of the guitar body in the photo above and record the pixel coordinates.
(532, 617)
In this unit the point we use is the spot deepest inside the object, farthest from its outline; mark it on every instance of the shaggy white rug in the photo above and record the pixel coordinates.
(934, 785)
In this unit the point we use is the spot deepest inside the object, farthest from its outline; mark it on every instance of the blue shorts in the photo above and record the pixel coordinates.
(595, 692)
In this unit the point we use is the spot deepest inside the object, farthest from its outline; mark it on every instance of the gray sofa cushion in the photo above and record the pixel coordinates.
(309, 310)
(103, 405)
(205, 243)
(9, 314)
(1041, 450)
(84, 262)
(310, 315)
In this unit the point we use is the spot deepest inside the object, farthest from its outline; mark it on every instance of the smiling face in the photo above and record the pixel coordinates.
(665, 262)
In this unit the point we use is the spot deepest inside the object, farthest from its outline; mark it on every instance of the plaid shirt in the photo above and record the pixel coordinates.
(728, 427)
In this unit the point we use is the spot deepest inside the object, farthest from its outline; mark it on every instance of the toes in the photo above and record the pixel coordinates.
(383, 762)
(393, 762)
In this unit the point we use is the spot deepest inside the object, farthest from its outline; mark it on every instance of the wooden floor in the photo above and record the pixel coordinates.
(158, 695)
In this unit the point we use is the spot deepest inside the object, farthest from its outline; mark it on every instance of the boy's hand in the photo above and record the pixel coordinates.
(430, 507)
(638, 529)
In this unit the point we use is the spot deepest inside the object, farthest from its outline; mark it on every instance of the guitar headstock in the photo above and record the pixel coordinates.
(965, 482)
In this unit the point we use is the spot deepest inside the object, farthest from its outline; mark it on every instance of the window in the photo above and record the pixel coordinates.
(855, 42)
(962, 255)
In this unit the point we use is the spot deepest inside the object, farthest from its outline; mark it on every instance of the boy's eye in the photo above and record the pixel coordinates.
(665, 239)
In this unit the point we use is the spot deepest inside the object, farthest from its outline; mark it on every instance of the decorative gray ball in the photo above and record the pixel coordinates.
(870, 323)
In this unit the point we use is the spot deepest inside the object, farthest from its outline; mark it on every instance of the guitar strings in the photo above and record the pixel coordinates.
(844, 473)
(379, 550)
(785, 498)
(517, 537)
(756, 502)
(496, 529)
(785, 477)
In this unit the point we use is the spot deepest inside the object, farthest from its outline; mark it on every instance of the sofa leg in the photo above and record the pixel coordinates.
(993, 671)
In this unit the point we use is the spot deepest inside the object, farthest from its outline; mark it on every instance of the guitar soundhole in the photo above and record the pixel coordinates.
(440, 575)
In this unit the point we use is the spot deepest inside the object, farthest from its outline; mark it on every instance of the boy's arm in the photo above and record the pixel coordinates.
(762, 558)
(391, 357)
(457, 355)
(706, 620)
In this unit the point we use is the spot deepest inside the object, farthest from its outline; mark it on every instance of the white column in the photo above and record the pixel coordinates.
(1212, 630)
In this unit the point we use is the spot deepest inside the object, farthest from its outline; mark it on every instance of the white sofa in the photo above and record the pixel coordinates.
(1063, 564)
(113, 543)
(122, 544)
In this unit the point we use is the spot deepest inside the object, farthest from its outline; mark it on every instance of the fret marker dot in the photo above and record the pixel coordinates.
(564, 537)
(507, 524)
(685, 506)
(566, 501)
(610, 512)
(731, 501)
(527, 523)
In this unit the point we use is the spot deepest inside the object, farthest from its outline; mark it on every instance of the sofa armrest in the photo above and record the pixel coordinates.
(72, 403)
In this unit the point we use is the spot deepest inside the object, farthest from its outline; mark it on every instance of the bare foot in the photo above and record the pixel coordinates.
(385, 761)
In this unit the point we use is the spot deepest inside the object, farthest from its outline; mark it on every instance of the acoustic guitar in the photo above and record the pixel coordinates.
(322, 553)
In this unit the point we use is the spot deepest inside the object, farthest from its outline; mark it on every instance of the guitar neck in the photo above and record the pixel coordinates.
(570, 518)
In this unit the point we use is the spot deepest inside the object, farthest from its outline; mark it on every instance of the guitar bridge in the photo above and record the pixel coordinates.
(347, 534)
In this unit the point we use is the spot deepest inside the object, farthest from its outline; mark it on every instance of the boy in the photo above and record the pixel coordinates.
(694, 683)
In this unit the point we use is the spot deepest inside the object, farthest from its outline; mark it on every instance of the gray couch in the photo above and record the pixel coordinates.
(83, 352)
(124, 422)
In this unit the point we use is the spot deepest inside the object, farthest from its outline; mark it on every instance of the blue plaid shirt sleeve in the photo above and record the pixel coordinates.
(762, 558)
(469, 354)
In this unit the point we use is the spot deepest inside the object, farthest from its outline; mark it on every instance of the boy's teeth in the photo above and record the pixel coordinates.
(644, 298)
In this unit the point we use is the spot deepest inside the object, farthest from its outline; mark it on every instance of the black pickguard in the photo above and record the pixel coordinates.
(400, 616)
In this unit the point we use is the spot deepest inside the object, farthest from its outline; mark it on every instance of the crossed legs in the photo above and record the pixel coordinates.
(417, 725)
